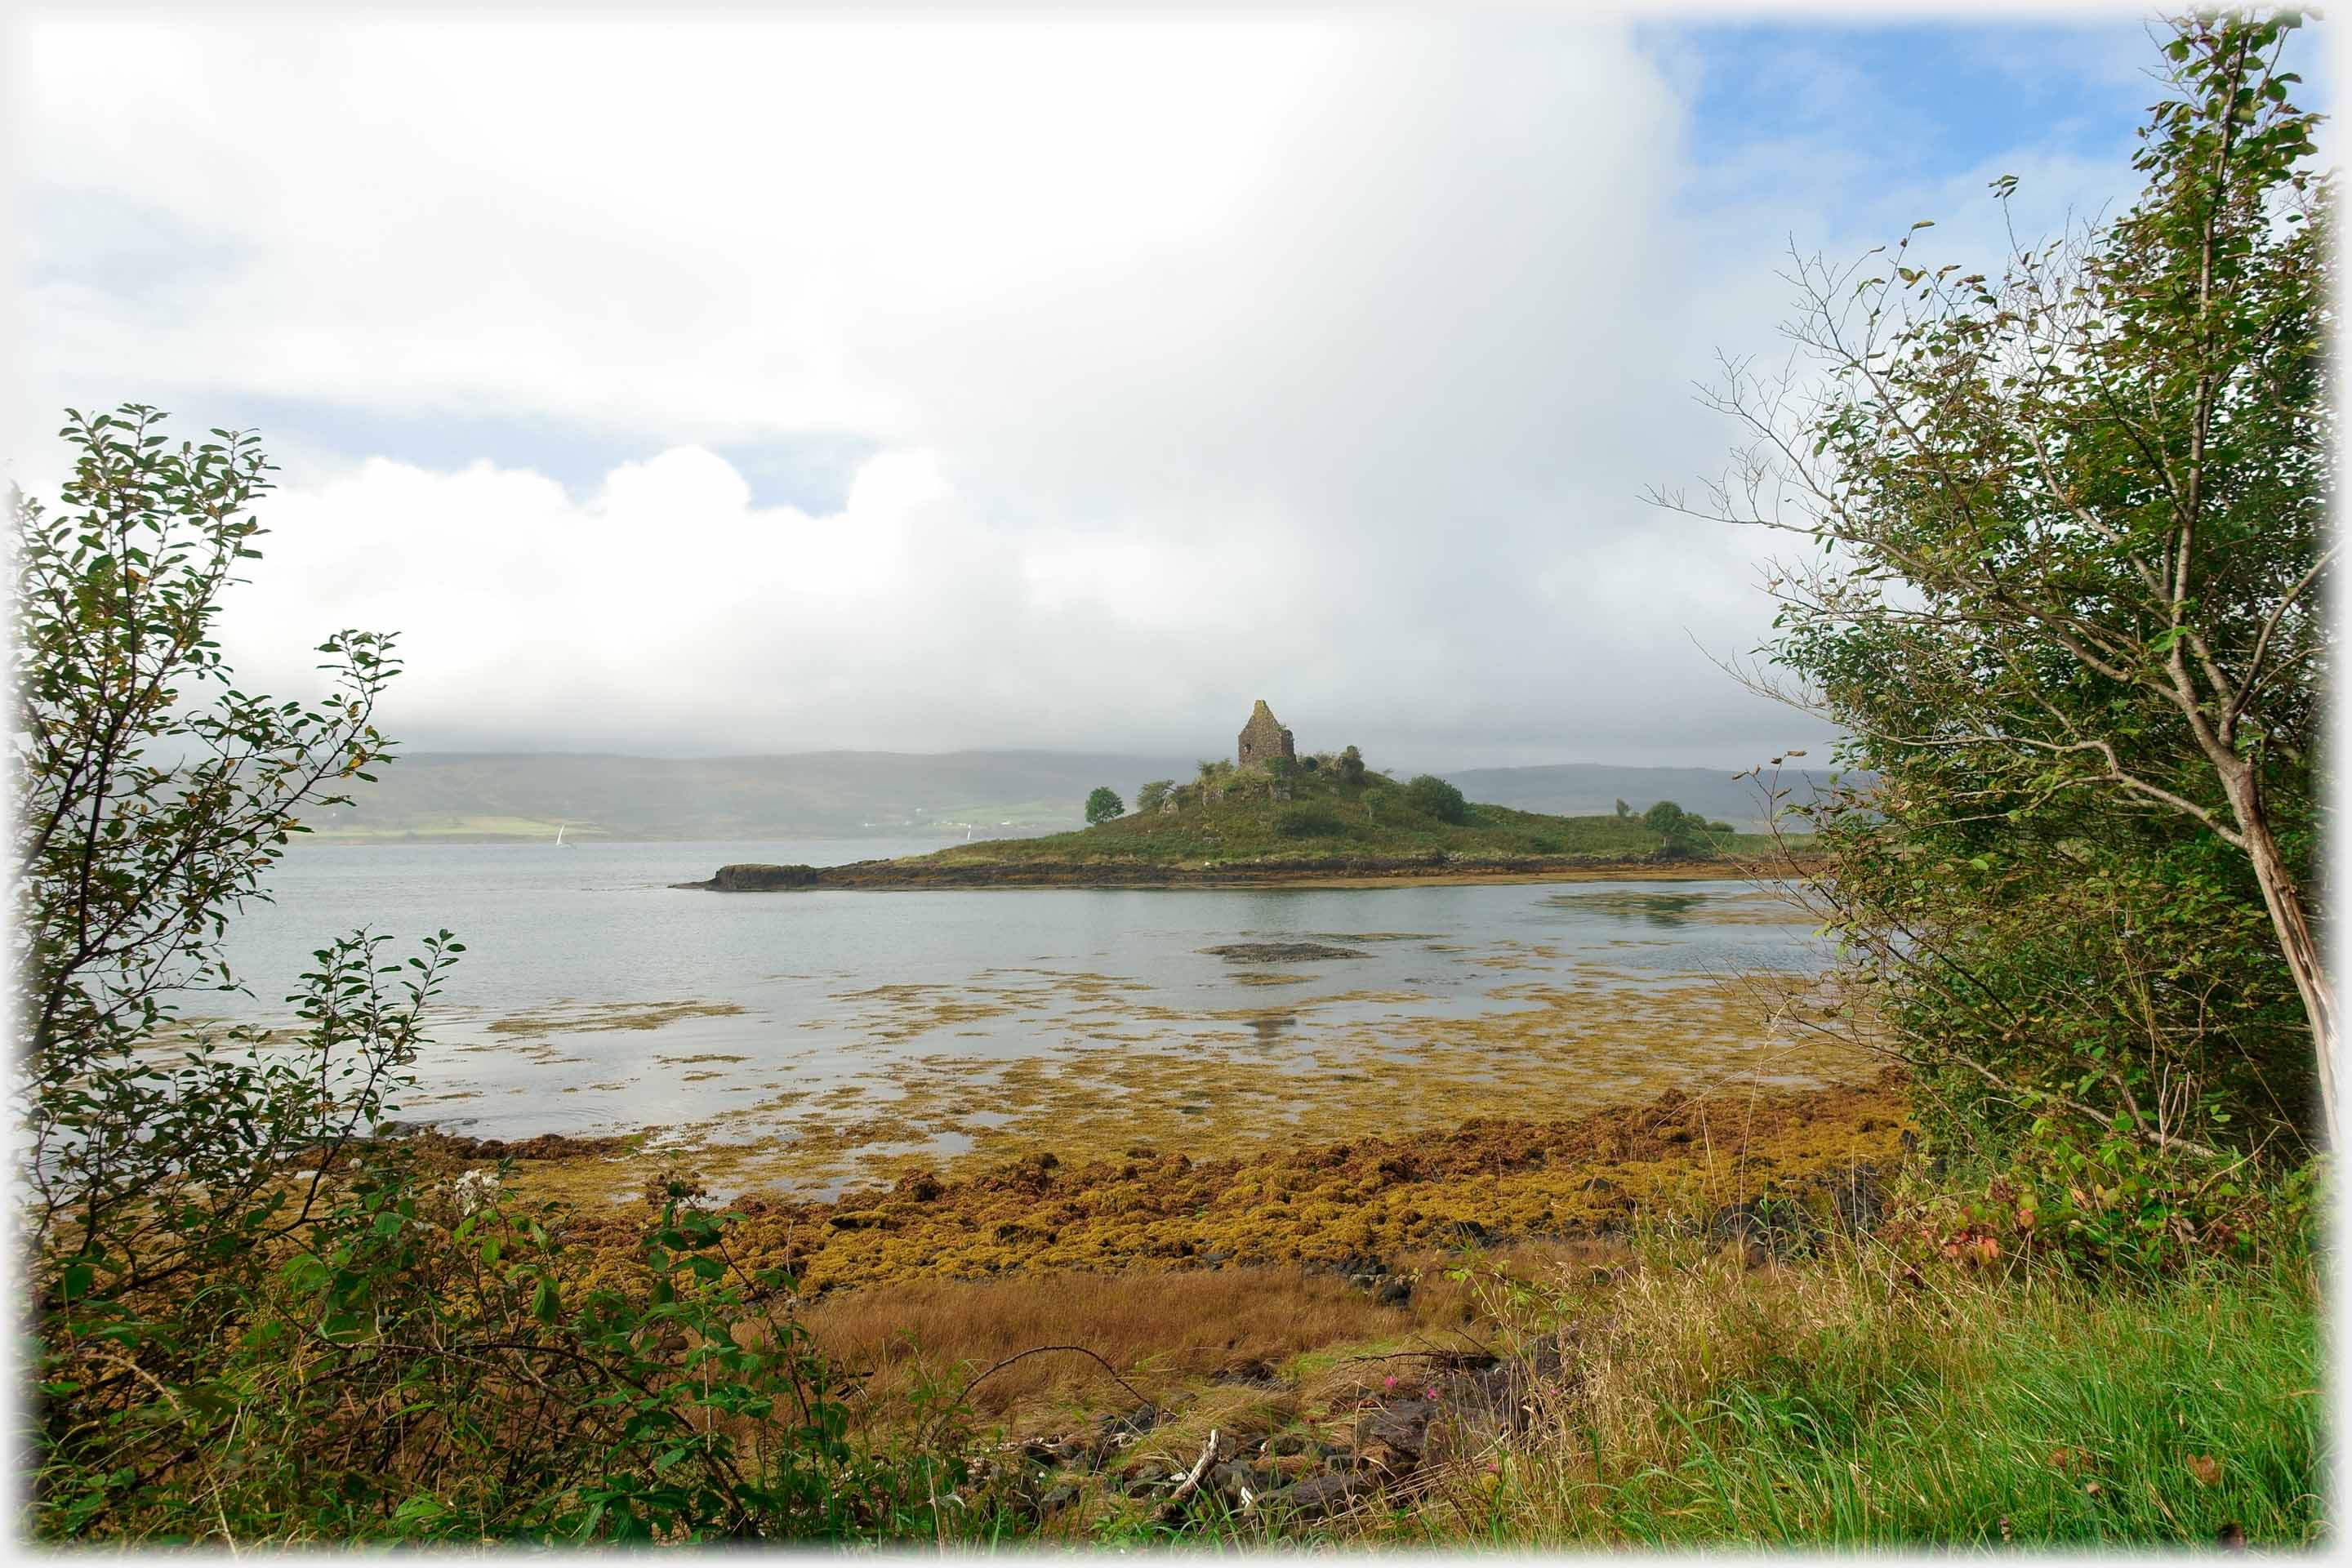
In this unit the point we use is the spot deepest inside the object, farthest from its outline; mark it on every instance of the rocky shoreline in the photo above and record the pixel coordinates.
(1408, 1385)
(1435, 868)
(1302, 1200)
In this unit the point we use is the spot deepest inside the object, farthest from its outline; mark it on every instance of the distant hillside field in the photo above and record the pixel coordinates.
(459, 797)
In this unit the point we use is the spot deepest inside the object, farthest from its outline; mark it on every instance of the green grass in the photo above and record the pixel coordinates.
(2048, 1413)
(1321, 822)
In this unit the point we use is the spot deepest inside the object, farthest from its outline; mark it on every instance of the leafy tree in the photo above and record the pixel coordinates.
(1350, 769)
(152, 797)
(1153, 795)
(250, 1319)
(1104, 805)
(1681, 835)
(2067, 598)
(1622, 809)
(1432, 796)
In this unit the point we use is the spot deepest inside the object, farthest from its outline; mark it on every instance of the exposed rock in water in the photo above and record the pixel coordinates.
(1280, 951)
(754, 878)
(544, 1146)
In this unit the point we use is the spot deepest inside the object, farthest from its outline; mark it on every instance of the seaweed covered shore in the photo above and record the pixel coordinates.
(1488, 1180)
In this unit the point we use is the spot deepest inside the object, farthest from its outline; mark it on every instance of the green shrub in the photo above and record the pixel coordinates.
(246, 1318)
(1433, 797)
(434, 1364)
(1310, 822)
(2104, 1204)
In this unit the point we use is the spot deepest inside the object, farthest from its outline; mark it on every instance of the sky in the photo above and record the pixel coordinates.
(719, 383)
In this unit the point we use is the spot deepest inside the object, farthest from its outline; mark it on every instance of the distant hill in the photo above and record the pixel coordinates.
(1579, 789)
(475, 796)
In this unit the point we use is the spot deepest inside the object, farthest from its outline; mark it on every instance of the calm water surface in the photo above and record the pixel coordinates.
(574, 951)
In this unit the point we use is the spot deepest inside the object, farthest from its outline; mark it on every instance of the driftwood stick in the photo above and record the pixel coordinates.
(1192, 1482)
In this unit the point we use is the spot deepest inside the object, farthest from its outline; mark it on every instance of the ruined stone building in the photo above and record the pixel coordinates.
(1264, 739)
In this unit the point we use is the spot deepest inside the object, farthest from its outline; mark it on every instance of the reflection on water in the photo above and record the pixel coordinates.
(1268, 1026)
(594, 997)
(1654, 909)
(1679, 908)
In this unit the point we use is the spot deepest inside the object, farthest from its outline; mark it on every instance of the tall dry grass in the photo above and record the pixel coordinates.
(1158, 1332)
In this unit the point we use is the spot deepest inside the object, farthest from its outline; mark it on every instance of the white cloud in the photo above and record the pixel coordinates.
(669, 607)
(1203, 358)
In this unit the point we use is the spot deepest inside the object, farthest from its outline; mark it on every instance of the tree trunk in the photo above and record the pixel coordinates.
(2303, 957)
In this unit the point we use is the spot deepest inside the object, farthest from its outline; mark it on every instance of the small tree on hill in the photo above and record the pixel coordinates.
(1432, 796)
(1153, 795)
(1104, 805)
(1350, 769)
(1680, 834)
(1624, 810)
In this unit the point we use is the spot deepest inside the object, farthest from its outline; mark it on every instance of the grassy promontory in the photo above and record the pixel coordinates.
(1247, 827)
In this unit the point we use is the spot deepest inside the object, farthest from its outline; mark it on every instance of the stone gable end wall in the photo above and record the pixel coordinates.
(1263, 739)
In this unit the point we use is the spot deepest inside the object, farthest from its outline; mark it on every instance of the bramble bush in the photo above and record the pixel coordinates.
(2098, 1205)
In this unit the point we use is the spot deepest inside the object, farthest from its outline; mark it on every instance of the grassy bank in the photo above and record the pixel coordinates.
(1698, 1397)
(1833, 1403)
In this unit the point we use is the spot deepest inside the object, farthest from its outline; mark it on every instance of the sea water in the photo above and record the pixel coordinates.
(595, 996)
